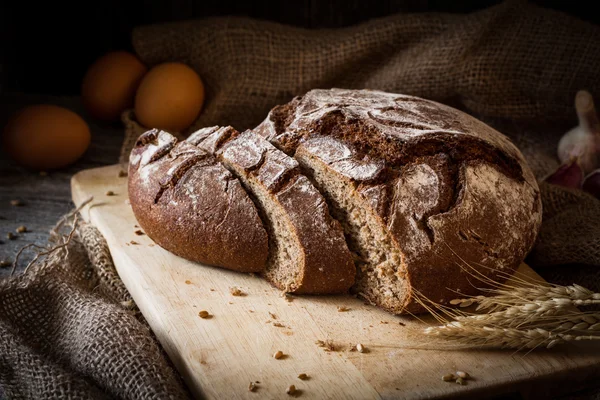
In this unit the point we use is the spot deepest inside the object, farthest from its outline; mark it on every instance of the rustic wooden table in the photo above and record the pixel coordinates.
(45, 198)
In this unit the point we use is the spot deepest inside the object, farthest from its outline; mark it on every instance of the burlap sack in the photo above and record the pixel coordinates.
(66, 329)
(69, 329)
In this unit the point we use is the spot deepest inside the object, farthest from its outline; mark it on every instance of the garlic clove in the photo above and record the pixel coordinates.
(583, 141)
(568, 175)
(591, 184)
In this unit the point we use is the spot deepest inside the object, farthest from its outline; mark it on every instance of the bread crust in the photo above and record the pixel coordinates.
(325, 263)
(190, 205)
(457, 197)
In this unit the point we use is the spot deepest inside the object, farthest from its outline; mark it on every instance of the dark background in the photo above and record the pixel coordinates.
(45, 47)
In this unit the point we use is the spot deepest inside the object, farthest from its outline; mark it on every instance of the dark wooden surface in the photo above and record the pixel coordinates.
(45, 198)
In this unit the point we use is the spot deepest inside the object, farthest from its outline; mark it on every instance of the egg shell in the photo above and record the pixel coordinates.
(170, 97)
(45, 137)
(110, 83)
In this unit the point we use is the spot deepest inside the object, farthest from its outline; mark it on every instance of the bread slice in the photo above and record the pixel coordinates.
(435, 204)
(192, 206)
(307, 249)
(379, 257)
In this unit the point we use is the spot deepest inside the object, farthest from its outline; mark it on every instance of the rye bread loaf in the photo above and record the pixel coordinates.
(307, 249)
(192, 206)
(434, 202)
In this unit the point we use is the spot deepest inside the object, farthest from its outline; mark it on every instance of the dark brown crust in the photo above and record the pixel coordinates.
(190, 205)
(451, 190)
(326, 264)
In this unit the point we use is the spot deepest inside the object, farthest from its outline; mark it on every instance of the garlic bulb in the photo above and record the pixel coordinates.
(583, 141)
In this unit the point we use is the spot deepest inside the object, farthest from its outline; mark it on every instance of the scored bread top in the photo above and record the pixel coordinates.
(457, 196)
(189, 204)
(324, 264)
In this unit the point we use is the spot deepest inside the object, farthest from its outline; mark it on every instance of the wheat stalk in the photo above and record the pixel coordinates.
(466, 336)
(522, 313)
(560, 295)
(528, 316)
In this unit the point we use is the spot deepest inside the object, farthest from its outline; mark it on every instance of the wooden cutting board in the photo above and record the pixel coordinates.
(220, 356)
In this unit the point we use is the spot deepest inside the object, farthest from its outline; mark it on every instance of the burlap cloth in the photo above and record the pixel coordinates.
(68, 327)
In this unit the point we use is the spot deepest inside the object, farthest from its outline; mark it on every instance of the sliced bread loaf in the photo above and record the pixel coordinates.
(307, 250)
(189, 204)
(435, 203)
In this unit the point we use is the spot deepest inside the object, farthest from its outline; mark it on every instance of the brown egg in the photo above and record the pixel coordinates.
(46, 137)
(110, 83)
(170, 97)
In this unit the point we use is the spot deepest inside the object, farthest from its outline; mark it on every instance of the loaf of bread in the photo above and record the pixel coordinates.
(435, 204)
(401, 200)
(191, 205)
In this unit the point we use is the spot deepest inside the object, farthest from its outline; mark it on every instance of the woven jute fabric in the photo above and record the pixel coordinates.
(68, 327)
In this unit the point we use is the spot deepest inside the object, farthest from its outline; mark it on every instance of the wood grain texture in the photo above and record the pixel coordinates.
(218, 357)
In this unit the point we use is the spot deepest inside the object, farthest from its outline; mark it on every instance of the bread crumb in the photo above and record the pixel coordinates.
(139, 232)
(277, 324)
(327, 345)
(122, 174)
(22, 229)
(204, 314)
(151, 245)
(16, 203)
(287, 296)
(360, 348)
(188, 282)
(303, 377)
(462, 374)
(272, 315)
(133, 242)
(448, 378)
(236, 291)
(291, 390)
(110, 193)
(343, 308)
(278, 355)
(212, 290)
(252, 387)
